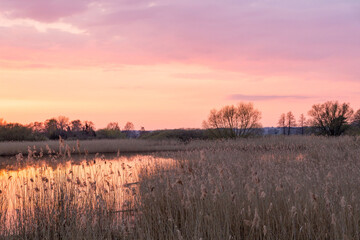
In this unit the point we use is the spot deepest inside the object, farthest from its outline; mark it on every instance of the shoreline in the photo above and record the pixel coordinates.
(102, 146)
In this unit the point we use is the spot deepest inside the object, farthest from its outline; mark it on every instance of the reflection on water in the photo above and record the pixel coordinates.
(83, 184)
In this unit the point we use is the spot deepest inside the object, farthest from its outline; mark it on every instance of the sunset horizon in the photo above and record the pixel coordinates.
(104, 124)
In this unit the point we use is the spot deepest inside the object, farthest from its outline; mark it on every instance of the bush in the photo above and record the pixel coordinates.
(179, 134)
(109, 133)
(16, 132)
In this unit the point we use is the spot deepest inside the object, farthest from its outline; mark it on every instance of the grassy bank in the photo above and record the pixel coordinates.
(89, 146)
(264, 188)
(142, 145)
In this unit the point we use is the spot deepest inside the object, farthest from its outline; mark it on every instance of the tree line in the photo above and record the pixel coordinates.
(288, 121)
(54, 128)
(232, 121)
(330, 118)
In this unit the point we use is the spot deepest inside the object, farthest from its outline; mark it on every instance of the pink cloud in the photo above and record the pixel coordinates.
(255, 37)
(43, 10)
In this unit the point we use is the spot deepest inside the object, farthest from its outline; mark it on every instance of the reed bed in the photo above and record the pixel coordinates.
(265, 188)
(295, 190)
(94, 199)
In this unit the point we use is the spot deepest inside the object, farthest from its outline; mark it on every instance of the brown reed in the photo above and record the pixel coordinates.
(265, 188)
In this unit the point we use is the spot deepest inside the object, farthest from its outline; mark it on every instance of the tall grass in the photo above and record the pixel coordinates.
(266, 188)
(307, 190)
(91, 200)
(3, 209)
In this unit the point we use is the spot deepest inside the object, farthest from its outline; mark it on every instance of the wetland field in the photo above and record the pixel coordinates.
(296, 187)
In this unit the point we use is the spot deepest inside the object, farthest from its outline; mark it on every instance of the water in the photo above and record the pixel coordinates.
(36, 185)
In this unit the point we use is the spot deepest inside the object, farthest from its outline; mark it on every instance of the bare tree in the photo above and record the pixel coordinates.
(330, 118)
(128, 129)
(63, 123)
(36, 126)
(51, 128)
(302, 123)
(89, 128)
(248, 120)
(113, 126)
(290, 121)
(129, 126)
(76, 126)
(232, 121)
(282, 122)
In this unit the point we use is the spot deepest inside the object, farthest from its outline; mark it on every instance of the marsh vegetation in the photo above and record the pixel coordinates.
(262, 188)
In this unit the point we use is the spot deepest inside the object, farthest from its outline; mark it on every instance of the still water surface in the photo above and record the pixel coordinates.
(112, 181)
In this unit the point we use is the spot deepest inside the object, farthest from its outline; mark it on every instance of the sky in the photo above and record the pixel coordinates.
(166, 64)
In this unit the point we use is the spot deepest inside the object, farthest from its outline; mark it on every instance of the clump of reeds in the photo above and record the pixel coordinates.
(3, 208)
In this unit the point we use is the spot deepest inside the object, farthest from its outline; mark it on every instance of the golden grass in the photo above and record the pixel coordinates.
(265, 188)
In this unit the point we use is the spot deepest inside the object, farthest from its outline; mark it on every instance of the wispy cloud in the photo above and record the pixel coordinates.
(43, 10)
(266, 97)
(39, 26)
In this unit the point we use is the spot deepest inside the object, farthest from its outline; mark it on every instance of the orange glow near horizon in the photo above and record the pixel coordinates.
(155, 97)
(164, 65)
